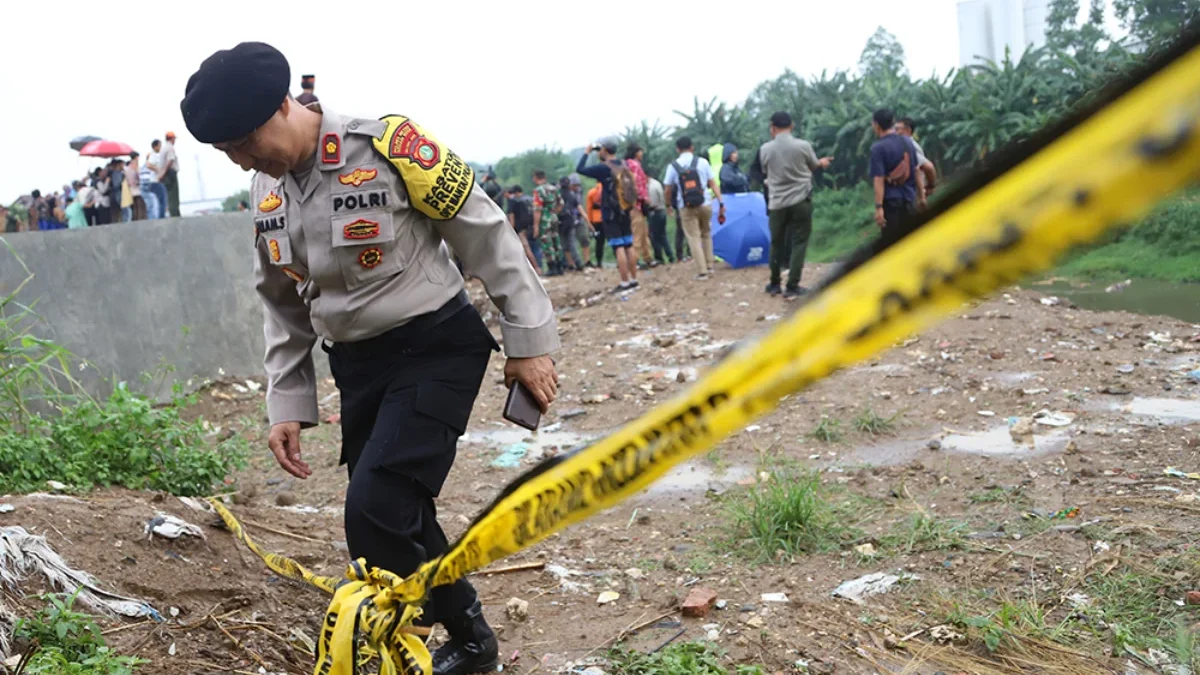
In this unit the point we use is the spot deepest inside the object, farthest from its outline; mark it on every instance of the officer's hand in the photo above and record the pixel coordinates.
(538, 376)
(284, 441)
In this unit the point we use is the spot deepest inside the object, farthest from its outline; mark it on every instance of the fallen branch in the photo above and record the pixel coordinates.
(237, 643)
(520, 567)
(284, 533)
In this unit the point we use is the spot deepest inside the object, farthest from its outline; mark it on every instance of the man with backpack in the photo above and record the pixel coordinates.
(546, 206)
(899, 183)
(685, 183)
(618, 198)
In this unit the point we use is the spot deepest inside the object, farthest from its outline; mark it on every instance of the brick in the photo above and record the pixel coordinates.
(699, 601)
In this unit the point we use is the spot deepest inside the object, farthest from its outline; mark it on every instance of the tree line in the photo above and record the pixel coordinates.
(961, 117)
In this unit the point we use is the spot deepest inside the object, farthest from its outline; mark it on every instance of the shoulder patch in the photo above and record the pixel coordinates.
(438, 181)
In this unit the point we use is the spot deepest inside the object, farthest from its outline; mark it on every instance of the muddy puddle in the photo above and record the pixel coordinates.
(515, 446)
(1167, 410)
(1141, 296)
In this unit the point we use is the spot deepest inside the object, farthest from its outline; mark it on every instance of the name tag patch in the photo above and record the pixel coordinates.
(272, 224)
(375, 199)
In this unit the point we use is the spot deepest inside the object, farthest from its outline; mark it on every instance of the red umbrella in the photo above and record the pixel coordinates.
(105, 149)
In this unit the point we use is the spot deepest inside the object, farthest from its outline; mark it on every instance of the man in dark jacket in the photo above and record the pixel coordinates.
(733, 180)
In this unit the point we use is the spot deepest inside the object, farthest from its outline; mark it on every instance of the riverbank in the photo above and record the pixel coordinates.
(1165, 245)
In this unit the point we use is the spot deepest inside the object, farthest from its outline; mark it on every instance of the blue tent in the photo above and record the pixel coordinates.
(745, 238)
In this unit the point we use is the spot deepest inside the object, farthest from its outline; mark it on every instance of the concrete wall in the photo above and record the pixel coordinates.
(123, 296)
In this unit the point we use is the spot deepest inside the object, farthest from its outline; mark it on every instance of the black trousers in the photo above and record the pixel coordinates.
(682, 250)
(894, 210)
(406, 398)
(658, 236)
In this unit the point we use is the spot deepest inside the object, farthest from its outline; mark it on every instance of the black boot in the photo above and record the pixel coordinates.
(472, 647)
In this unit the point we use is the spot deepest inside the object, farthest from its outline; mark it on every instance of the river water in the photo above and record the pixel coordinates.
(1143, 296)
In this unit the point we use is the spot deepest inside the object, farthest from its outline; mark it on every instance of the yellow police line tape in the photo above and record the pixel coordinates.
(1107, 169)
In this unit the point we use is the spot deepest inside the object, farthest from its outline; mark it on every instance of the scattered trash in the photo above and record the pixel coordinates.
(1053, 419)
(572, 413)
(867, 549)
(1079, 600)
(564, 579)
(595, 398)
(721, 604)
(1126, 368)
(878, 583)
(698, 601)
(607, 597)
(1176, 473)
(1051, 301)
(22, 554)
(1194, 375)
(517, 609)
(511, 456)
(1119, 286)
(170, 527)
(171, 649)
(7, 508)
(1035, 391)
(173, 611)
(986, 413)
(56, 486)
(774, 597)
(943, 634)
(1101, 547)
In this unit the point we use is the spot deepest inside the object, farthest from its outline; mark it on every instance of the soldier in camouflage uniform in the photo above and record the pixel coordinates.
(546, 205)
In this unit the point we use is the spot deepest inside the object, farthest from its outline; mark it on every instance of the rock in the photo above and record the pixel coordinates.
(245, 495)
(934, 444)
(285, 499)
(1193, 598)
(275, 481)
(573, 412)
(7, 508)
(748, 608)
(595, 398)
(996, 355)
(699, 601)
(607, 597)
(517, 609)
(820, 668)
(664, 341)
(634, 573)
(681, 377)
(756, 622)
(722, 604)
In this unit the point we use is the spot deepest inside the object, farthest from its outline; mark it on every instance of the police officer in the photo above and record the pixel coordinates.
(351, 215)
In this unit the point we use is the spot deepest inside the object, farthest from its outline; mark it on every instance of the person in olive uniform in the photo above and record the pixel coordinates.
(350, 216)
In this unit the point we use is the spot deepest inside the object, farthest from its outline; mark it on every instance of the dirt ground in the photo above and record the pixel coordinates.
(929, 476)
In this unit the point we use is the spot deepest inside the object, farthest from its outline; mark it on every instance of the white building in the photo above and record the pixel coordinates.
(987, 27)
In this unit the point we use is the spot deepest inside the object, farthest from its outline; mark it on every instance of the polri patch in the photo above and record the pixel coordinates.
(331, 149)
(270, 202)
(361, 229)
(370, 258)
(375, 199)
(358, 176)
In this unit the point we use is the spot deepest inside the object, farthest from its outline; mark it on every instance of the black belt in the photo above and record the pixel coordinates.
(417, 334)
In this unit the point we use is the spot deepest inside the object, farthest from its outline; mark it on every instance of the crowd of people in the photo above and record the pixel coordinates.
(121, 191)
(627, 210)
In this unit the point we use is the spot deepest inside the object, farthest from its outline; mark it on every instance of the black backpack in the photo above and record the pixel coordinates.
(689, 183)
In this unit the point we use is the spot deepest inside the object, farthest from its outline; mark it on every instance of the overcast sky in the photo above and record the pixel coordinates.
(488, 79)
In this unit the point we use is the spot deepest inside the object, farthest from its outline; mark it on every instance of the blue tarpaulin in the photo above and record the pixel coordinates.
(745, 238)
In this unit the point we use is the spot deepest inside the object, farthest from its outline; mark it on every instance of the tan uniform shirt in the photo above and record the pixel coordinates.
(789, 163)
(360, 249)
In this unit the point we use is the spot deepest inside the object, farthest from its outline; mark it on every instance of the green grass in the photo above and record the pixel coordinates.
(869, 422)
(69, 642)
(998, 495)
(922, 532)
(679, 658)
(1013, 617)
(828, 430)
(791, 514)
(51, 429)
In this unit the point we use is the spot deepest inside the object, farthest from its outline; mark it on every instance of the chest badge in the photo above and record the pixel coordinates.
(331, 149)
(273, 246)
(358, 176)
(361, 229)
(270, 202)
(294, 275)
(370, 258)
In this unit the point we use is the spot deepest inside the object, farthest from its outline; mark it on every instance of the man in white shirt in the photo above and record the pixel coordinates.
(905, 127)
(168, 174)
(151, 183)
(685, 184)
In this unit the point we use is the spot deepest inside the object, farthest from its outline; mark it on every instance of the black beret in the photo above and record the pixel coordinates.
(234, 92)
